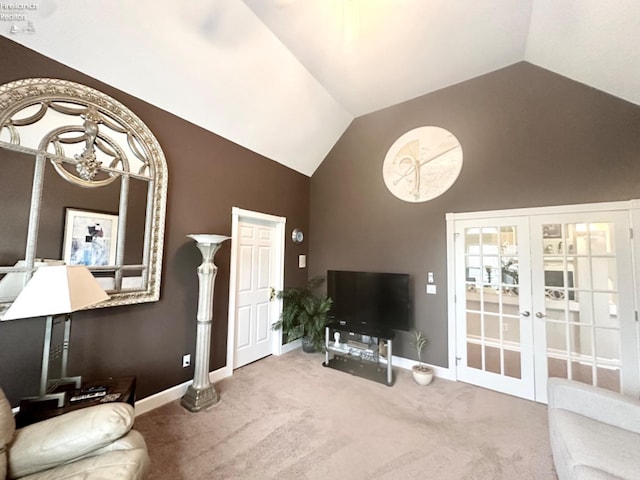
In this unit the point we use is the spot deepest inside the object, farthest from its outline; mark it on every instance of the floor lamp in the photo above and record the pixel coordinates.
(55, 292)
(201, 394)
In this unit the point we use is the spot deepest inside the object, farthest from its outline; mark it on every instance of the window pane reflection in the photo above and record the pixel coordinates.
(474, 355)
(606, 310)
(473, 324)
(581, 340)
(512, 364)
(492, 359)
(604, 273)
(607, 345)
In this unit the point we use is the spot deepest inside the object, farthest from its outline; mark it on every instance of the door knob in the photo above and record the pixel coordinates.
(272, 293)
(526, 313)
(540, 315)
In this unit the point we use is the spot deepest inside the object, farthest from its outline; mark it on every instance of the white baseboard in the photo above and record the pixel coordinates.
(440, 372)
(174, 393)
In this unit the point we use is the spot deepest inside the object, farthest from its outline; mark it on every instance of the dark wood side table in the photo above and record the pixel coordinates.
(118, 389)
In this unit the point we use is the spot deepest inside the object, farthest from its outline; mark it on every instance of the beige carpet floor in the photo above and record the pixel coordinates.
(289, 417)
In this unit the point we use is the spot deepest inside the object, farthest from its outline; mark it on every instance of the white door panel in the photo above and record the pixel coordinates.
(263, 323)
(265, 260)
(255, 280)
(243, 335)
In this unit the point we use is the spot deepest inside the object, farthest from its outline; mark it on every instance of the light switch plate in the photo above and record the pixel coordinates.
(302, 261)
(431, 289)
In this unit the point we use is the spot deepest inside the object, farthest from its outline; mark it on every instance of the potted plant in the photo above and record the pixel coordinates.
(422, 374)
(304, 314)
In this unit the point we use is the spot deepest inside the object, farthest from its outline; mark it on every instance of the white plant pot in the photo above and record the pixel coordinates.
(422, 376)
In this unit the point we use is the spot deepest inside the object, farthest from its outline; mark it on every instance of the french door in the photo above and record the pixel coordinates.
(584, 318)
(543, 294)
(494, 325)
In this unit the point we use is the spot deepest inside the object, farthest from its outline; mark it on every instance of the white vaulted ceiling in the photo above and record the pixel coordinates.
(285, 78)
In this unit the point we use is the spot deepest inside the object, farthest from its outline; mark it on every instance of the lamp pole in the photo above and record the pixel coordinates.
(201, 394)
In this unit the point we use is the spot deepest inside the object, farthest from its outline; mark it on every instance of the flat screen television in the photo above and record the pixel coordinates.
(369, 300)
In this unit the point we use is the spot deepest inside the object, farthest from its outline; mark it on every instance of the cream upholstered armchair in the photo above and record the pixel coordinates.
(594, 433)
(91, 443)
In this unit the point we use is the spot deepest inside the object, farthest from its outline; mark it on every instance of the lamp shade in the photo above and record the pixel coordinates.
(56, 289)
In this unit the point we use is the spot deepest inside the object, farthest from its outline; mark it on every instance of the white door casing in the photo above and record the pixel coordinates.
(257, 270)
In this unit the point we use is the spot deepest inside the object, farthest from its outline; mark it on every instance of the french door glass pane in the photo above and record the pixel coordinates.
(512, 367)
(581, 301)
(581, 341)
(474, 324)
(493, 361)
(582, 372)
(604, 273)
(557, 339)
(607, 345)
(474, 355)
(609, 378)
(491, 300)
(606, 310)
(492, 331)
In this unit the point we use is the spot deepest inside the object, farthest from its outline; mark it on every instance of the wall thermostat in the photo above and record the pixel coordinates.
(297, 236)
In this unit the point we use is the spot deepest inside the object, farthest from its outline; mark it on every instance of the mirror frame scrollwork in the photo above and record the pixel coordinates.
(98, 112)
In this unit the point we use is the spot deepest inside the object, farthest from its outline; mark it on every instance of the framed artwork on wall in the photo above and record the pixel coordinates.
(89, 238)
(553, 230)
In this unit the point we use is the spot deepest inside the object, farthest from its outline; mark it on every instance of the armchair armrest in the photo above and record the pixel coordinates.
(599, 404)
(67, 437)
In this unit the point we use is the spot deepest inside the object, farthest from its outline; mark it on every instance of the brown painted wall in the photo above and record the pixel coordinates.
(208, 175)
(530, 138)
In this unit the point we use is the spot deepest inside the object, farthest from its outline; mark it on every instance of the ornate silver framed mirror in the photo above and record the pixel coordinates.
(84, 181)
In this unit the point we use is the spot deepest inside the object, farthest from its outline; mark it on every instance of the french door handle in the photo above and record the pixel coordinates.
(526, 313)
(540, 315)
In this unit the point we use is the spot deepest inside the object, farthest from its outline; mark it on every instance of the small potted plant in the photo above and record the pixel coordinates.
(304, 314)
(422, 374)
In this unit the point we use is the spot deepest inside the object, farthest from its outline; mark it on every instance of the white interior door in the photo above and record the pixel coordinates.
(255, 286)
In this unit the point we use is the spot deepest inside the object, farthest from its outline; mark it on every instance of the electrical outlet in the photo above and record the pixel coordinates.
(186, 360)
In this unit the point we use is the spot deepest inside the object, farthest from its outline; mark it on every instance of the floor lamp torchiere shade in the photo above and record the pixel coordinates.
(55, 292)
(201, 394)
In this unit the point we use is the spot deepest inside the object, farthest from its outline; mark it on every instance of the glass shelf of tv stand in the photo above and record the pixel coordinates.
(357, 357)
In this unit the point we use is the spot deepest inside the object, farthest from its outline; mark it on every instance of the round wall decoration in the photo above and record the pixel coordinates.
(422, 164)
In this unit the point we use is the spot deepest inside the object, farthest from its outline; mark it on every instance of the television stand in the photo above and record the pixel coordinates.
(360, 351)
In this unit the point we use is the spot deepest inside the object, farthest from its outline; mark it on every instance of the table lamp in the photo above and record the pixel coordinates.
(56, 292)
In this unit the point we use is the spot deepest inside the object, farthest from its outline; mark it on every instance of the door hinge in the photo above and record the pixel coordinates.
(630, 232)
(636, 312)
